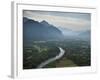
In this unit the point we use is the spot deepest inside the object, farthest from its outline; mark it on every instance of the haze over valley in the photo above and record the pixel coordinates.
(56, 39)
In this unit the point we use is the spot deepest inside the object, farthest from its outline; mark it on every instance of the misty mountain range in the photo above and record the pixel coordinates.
(39, 31)
(70, 33)
(43, 31)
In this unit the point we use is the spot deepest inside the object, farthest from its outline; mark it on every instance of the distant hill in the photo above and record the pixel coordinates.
(81, 35)
(39, 31)
(68, 32)
(85, 34)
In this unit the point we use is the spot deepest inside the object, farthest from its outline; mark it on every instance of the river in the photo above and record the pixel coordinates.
(61, 53)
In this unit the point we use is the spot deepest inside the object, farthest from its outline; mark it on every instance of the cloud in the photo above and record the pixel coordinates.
(74, 21)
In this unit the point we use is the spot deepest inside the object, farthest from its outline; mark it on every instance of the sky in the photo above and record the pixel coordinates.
(69, 20)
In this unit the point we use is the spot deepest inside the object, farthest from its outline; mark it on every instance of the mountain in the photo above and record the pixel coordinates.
(39, 31)
(81, 35)
(85, 34)
(45, 23)
(68, 32)
(25, 19)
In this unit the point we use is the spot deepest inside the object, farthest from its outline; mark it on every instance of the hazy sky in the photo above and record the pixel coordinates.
(70, 20)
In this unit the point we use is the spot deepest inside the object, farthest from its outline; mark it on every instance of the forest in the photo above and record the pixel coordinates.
(77, 53)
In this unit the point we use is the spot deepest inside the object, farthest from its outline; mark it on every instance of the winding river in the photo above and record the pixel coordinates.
(61, 53)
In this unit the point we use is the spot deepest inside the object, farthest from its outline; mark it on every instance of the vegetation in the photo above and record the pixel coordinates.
(77, 53)
(33, 56)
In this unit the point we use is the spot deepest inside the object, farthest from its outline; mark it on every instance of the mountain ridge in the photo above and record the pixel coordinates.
(38, 31)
